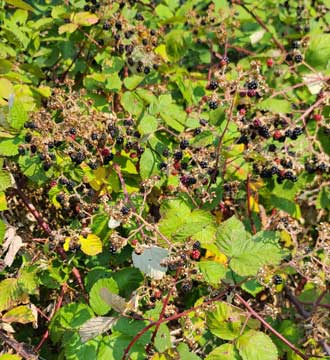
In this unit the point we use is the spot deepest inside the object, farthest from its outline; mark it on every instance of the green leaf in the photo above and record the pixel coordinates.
(148, 124)
(5, 180)
(224, 321)
(318, 52)
(6, 88)
(133, 81)
(20, 4)
(291, 332)
(323, 199)
(163, 338)
(17, 115)
(9, 147)
(203, 139)
(67, 28)
(9, 293)
(148, 164)
(163, 11)
(275, 105)
(177, 44)
(212, 271)
(185, 354)
(257, 346)
(99, 306)
(132, 103)
(224, 352)
(248, 255)
(128, 279)
(20, 314)
(113, 82)
(85, 19)
(2, 231)
(286, 205)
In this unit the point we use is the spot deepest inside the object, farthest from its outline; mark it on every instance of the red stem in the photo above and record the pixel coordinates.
(270, 328)
(57, 307)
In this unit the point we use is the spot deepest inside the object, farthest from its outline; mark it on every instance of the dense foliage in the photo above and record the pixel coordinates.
(164, 179)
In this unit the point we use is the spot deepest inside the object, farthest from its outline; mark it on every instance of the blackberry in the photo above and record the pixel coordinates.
(60, 198)
(47, 165)
(280, 179)
(30, 125)
(121, 49)
(274, 170)
(124, 210)
(213, 105)
(50, 145)
(139, 17)
(92, 165)
(146, 70)
(295, 44)
(100, 42)
(288, 57)
(184, 144)
(129, 49)
(162, 166)
(78, 157)
(119, 140)
(287, 164)
(128, 34)
(139, 69)
(112, 249)
(186, 287)
(322, 168)
(288, 133)
(21, 150)
(197, 245)
(297, 131)
(310, 168)
(213, 85)
(155, 66)
(263, 131)
(197, 131)
(272, 148)
(188, 180)
(118, 25)
(70, 185)
(94, 136)
(252, 85)
(130, 61)
(107, 159)
(144, 42)
(290, 176)
(266, 174)
(58, 143)
(33, 149)
(117, 37)
(137, 134)
(140, 150)
(106, 26)
(63, 181)
(243, 139)
(87, 7)
(203, 164)
(184, 165)
(298, 58)
(28, 137)
(42, 156)
(166, 153)
(178, 155)
(152, 32)
(73, 131)
(112, 130)
(277, 279)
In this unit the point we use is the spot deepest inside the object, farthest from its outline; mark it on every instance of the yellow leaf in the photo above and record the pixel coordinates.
(85, 19)
(10, 357)
(20, 314)
(286, 238)
(3, 201)
(92, 245)
(66, 245)
(161, 51)
(100, 178)
(6, 88)
(254, 206)
(219, 258)
(67, 28)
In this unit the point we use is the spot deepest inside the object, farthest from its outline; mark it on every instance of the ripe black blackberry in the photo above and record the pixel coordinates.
(298, 58)
(166, 153)
(184, 165)
(112, 249)
(144, 42)
(295, 44)
(21, 150)
(92, 165)
(63, 181)
(162, 166)
(184, 144)
(118, 25)
(152, 32)
(30, 125)
(87, 7)
(203, 164)
(297, 131)
(70, 185)
(124, 210)
(178, 155)
(128, 34)
(213, 105)
(243, 139)
(197, 131)
(33, 149)
(107, 159)
(106, 26)
(186, 287)
(252, 85)
(310, 168)
(213, 85)
(188, 180)
(203, 122)
(60, 198)
(139, 17)
(263, 131)
(130, 61)
(287, 164)
(94, 136)
(322, 168)
(73, 131)
(272, 148)
(129, 49)
(266, 174)
(146, 70)
(140, 150)
(290, 176)
(277, 279)
(28, 137)
(197, 245)
(47, 165)
(119, 140)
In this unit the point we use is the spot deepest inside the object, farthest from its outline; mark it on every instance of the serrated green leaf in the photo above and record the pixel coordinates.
(20, 314)
(224, 321)
(163, 338)
(148, 164)
(224, 352)
(318, 52)
(5, 180)
(257, 346)
(275, 105)
(185, 354)
(9, 293)
(212, 271)
(9, 147)
(17, 115)
(20, 4)
(133, 81)
(148, 124)
(97, 303)
(132, 103)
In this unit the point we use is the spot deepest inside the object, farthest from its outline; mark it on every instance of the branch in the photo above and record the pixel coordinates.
(20, 348)
(270, 328)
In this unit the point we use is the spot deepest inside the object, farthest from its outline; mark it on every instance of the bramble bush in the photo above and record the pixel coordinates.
(164, 179)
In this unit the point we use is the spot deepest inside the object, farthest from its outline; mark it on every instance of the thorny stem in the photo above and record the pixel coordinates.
(162, 314)
(270, 328)
(20, 348)
(45, 227)
(57, 307)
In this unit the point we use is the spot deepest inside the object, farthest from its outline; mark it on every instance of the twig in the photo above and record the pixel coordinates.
(270, 328)
(305, 314)
(248, 194)
(57, 307)
(45, 227)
